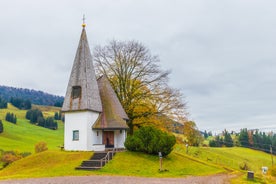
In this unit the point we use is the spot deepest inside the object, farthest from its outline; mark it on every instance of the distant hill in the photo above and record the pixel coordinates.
(36, 97)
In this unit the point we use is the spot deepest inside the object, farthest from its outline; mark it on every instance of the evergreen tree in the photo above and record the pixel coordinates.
(3, 103)
(217, 142)
(228, 141)
(256, 140)
(243, 138)
(212, 143)
(266, 142)
(21, 103)
(15, 119)
(58, 104)
(1, 127)
(33, 115)
(57, 116)
(36, 117)
(205, 134)
(10, 117)
(41, 121)
(27, 104)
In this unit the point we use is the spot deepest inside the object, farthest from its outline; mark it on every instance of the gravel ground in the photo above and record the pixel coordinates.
(214, 179)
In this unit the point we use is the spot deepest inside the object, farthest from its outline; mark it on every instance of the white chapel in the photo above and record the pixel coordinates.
(94, 117)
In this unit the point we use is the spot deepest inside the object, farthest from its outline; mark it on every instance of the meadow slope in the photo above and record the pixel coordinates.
(198, 161)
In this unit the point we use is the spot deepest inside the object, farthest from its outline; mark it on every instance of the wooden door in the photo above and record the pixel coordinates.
(108, 139)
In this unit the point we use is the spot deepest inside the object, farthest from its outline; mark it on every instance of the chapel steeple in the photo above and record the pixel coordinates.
(83, 21)
(82, 90)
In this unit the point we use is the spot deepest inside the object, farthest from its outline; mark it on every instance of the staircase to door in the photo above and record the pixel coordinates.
(97, 161)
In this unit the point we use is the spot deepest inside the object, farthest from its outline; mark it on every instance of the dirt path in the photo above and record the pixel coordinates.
(214, 179)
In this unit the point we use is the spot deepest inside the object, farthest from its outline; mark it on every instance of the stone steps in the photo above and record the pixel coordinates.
(97, 161)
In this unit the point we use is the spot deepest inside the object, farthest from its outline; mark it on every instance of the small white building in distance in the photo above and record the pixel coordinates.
(94, 117)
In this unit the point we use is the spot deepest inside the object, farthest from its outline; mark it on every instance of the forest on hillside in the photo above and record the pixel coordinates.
(36, 97)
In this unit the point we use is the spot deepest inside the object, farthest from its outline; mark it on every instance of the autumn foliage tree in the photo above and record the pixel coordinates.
(192, 134)
(137, 79)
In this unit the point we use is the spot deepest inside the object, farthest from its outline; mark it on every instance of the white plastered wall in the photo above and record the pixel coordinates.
(120, 138)
(97, 136)
(81, 121)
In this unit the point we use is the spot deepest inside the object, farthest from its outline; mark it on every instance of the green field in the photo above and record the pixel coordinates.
(232, 159)
(23, 136)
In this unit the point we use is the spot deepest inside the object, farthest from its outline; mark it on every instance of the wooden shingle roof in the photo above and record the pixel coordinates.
(113, 115)
(82, 90)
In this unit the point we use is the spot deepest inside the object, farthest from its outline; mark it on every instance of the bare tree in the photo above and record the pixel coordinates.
(138, 80)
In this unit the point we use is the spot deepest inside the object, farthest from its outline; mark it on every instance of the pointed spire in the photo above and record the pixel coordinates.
(82, 90)
(83, 21)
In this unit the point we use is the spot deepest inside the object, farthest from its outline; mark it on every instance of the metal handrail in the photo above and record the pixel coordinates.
(107, 157)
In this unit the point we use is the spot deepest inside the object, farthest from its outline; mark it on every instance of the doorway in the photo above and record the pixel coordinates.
(108, 139)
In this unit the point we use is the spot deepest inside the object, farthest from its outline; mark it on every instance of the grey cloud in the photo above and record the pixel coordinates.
(221, 53)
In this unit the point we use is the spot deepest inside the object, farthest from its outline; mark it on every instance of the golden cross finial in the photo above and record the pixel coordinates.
(83, 21)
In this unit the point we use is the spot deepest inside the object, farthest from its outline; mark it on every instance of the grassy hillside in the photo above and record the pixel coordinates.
(23, 136)
(46, 164)
(232, 159)
(61, 163)
(177, 164)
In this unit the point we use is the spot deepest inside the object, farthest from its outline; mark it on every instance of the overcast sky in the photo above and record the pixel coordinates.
(222, 54)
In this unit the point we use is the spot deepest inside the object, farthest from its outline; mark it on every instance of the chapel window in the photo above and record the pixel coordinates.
(76, 92)
(75, 135)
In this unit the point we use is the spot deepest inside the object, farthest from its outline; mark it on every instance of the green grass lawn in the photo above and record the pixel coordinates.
(139, 164)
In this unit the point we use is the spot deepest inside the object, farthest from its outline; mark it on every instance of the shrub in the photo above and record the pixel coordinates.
(8, 157)
(150, 140)
(40, 147)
